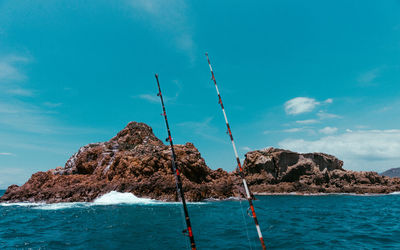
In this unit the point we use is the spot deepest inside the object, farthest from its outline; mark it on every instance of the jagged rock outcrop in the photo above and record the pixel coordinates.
(281, 171)
(133, 161)
(136, 161)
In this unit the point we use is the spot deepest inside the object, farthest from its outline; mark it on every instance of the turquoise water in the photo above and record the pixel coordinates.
(287, 222)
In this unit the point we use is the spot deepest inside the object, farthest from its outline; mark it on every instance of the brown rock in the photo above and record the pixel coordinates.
(281, 171)
(133, 161)
(138, 162)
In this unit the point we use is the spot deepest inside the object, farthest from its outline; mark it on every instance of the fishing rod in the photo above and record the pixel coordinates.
(249, 199)
(175, 169)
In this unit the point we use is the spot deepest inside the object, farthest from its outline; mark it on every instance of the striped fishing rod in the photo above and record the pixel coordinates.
(175, 169)
(248, 195)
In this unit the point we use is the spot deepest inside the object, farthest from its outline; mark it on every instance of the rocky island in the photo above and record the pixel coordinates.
(136, 161)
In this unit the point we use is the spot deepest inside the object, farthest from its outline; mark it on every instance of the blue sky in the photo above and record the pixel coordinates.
(302, 75)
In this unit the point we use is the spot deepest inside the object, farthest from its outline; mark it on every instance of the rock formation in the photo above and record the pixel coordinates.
(281, 171)
(133, 161)
(136, 161)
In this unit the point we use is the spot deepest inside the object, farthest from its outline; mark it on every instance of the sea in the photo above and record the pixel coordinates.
(123, 221)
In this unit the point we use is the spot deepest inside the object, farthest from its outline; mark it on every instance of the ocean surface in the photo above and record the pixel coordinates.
(122, 221)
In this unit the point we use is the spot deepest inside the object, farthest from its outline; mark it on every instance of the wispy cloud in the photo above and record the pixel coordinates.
(11, 76)
(9, 69)
(203, 129)
(6, 153)
(293, 130)
(18, 114)
(328, 130)
(20, 92)
(371, 148)
(368, 78)
(310, 121)
(25, 117)
(300, 105)
(323, 115)
(149, 98)
(52, 104)
(153, 98)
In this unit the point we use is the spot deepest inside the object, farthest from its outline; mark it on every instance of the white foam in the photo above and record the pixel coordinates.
(44, 206)
(113, 198)
(395, 193)
(62, 205)
(20, 204)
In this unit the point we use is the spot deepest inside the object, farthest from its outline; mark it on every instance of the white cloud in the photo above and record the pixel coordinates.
(8, 67)
(368, 77)
(9, 72)
(11, 76)
(328, 130)
(6, 153)
(310, 121)
(323, 115)
(155, 99)
(149, 98)
(300, 105)
(245, 148)
(375, 150)
(20, 92)
(293, 130)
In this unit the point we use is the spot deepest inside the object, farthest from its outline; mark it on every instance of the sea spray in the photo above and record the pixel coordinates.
(114, 197)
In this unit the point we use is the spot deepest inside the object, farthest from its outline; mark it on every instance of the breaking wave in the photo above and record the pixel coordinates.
(111, 198)
(114, 198)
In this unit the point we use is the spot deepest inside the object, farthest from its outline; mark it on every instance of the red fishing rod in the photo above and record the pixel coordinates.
(176, 171)
(248, 194)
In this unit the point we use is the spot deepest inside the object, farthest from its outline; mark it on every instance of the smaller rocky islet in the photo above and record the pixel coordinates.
(136, 161)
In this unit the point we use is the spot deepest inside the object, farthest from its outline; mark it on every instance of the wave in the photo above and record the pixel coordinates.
(111, 198)
(45, 206)
(20, 204)
(114, 197)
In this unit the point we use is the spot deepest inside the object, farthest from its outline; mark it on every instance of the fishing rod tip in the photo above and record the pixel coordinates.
(156, 75)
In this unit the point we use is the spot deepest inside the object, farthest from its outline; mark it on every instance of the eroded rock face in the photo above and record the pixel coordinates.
(133, 161)
(138, 162)
(274, 170)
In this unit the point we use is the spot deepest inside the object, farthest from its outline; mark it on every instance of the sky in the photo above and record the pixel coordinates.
(308, 76)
